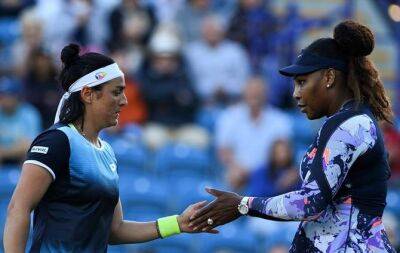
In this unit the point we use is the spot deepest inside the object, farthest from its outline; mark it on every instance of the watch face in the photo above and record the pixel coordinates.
(243, 209)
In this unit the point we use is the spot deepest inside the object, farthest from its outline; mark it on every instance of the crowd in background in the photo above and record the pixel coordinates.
(199, 73)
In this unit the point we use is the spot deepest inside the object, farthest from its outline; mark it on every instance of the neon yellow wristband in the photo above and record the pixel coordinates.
(168, 226)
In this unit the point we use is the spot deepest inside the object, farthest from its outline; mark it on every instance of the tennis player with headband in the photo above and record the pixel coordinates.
(70, 176)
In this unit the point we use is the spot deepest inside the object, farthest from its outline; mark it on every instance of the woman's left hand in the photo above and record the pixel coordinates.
(184, 218)
(220, 211)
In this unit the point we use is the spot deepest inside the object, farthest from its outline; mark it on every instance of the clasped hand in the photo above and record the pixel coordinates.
(223, 209)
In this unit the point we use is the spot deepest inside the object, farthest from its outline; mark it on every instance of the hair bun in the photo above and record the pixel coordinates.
(354, 38)
(70, 54)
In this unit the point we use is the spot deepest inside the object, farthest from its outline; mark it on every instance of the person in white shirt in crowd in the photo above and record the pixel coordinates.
(189, 16)
(166, 10)
(220, 67)
(90, 16)
(57, 12)
(245, 133)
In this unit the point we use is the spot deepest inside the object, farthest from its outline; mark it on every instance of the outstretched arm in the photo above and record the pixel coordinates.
(350, 140)
(124, 231)
(343, 146)
(128, 231)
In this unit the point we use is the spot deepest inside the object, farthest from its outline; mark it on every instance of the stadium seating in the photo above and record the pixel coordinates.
(8, 180)
(133, 155)
(143, 198)
(116, 249)
(10, 29)
(233, 238)
(190, 190)
(393, 201)
(207, 117)
(177, 160)
(175, 244)
(3, 214)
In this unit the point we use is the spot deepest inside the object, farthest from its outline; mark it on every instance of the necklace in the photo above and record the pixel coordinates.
(80, 131)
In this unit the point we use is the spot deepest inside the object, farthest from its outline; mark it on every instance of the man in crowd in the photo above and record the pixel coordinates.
(246, 132)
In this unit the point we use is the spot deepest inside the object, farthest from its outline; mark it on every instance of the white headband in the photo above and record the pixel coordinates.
(92, 79)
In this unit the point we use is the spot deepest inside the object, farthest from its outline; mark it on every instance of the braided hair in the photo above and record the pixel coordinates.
(352, 42)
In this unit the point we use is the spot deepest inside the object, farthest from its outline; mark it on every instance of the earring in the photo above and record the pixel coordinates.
(328, 86)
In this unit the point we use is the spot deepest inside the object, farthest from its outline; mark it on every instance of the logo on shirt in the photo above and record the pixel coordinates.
(113, 167)
(100, 75)
(39, 149)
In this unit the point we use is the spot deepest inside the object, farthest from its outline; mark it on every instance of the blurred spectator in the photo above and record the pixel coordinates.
(83, 21)
(19, 122)
(192, 13)
(135, 112)
(12, 8)
(392, 143)
(246, 132)
(190, 17)
(83, 10)
(130, 24)
(281, 87)
(32, 39)
(166, 87)
(67, 13)
(165, 82)
(252, 25)
(97, 30)
(131, 56)
(220, 67)
(41, 87)
(278, 176)
(166, 10)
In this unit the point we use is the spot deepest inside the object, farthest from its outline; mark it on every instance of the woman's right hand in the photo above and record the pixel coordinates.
(223, 209)
(184, 218)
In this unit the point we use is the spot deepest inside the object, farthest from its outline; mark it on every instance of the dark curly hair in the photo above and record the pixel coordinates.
(352, 42)
(74, 67)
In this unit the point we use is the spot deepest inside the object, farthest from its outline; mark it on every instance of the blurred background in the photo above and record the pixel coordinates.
(207, 106)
